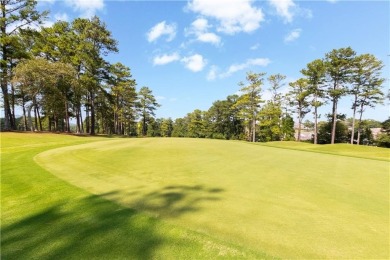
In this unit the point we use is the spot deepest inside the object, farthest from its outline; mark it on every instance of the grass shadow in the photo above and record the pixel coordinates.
(94, 227)
(175, 200)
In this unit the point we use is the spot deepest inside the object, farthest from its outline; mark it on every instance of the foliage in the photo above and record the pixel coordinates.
(383, 139)
(366, 87)
(325, 132)
(16, 16)
(299, 94)
(146, 105)
(339, 69)
(248, 103)
(315, 75)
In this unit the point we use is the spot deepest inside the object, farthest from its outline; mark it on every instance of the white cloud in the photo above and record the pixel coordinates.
(283, 9)
(287, 9)
(166, 58)
(88, 8)
(233, 16)
(200, 28)
(293, 35)
(210, 38)
(200, 24)
(194, 63)
(332, 1)
(161, 29)
(262, 62)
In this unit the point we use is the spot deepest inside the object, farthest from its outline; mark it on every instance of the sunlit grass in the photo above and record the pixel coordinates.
(43, 217)
(287, 203)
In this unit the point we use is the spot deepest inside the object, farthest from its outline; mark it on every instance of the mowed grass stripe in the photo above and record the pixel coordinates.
(287, 203)
(43, 217)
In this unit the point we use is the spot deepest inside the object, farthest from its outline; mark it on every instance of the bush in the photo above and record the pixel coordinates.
(383, 140)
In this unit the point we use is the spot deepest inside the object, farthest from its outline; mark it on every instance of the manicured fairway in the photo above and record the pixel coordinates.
(43, 217)
(286, 203)
(211, 198)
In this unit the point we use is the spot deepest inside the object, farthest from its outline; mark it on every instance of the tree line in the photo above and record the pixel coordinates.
(60, 73)
(248, 116)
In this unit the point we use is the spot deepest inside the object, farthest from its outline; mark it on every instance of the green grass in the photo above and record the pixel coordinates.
(191, 198)
(43, 217)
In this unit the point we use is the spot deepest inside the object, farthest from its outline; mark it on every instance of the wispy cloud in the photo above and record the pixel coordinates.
(262, 62)
(161, 29)
(283, 9)
(233, 16)
(165, 59)
(255, 47)
(288, 9)
(293, 35)
(213, 73)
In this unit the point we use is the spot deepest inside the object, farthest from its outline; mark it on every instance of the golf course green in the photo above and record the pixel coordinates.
(178, 198)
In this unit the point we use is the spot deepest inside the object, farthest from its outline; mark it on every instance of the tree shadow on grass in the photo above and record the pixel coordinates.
(175, 200)
(94, 227)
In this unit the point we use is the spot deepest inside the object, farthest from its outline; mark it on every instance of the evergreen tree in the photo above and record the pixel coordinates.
(146, 104)
(16, 16)
(338, 64)
(249, 102)
(315, 74)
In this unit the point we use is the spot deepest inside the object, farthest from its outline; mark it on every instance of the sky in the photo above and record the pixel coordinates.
(192, 53)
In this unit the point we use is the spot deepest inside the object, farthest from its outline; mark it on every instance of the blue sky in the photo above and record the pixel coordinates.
(191, 53)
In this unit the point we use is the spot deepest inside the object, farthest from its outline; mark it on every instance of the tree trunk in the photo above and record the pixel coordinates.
(55, 119)
(254, 130)
(93, 118)
(4, 80)
(360, 124)
(67, 124)
(353, 124)
(315, 119)
(81, 120)
(39, 119)
(35, 118)
(87, 116)
(12, 107)
(77, 119)
(299, 125)
(29, 118)
(144, 124)
(24, 112)
(334, 120)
